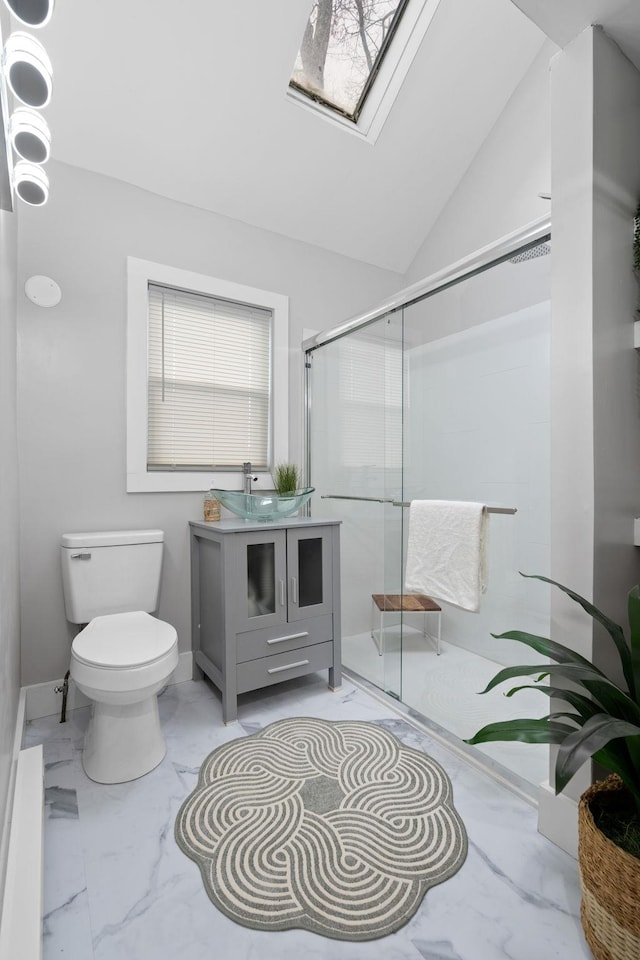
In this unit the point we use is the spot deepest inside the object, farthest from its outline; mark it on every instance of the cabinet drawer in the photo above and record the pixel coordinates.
(283, 637)
(283, 666)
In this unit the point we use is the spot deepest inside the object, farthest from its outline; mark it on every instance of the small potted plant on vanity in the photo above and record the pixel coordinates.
(597, 718)
(286, 477)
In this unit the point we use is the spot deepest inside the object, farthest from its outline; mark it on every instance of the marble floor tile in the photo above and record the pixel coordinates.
(446, 689)
(117, 885)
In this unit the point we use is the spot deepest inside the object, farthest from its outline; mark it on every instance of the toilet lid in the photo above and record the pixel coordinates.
(124, 640)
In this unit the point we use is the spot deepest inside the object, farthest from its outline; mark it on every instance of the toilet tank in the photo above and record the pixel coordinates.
(110, 572)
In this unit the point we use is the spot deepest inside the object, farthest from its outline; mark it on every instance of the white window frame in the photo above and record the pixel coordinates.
(406, 41)
(139, 274)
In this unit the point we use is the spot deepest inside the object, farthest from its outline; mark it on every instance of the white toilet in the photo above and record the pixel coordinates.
(123, 656)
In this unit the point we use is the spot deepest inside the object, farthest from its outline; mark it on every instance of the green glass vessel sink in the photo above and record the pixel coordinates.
(265, 505)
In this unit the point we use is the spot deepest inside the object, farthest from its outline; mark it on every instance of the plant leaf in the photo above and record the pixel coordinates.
(568, 715)
(614, 630)
(545, 646)
(535, 730)
(563, 655)
(585, 707)
(611, 698)
(582, 744)
(633, 608)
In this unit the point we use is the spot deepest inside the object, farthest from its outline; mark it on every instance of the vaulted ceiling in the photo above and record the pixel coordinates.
(564, 20)
(188, 100)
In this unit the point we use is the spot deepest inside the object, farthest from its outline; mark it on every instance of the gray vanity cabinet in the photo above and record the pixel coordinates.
(265, 603)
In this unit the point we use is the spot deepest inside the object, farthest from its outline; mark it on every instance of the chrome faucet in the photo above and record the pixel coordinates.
(248, 479)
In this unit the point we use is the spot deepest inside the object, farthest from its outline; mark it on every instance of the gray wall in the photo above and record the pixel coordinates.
(499, 192)
(9, 565)
(616, 297)
(71, 376)
(595, 446)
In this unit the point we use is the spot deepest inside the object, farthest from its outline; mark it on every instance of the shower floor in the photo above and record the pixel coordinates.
(444, 690)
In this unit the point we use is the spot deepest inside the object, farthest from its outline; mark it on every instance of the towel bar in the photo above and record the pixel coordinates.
(403, 503)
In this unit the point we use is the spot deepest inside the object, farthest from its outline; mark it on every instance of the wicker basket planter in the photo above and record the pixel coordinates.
(610, 879)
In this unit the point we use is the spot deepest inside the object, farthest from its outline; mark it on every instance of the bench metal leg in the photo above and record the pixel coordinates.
(378, 640)
(427, 636)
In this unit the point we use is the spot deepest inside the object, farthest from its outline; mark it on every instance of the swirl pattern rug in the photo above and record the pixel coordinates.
(334, 827)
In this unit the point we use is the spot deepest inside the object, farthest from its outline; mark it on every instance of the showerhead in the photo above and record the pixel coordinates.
(541, 250)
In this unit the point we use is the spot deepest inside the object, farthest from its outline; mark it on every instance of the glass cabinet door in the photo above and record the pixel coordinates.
(309, 565)
(261, 580)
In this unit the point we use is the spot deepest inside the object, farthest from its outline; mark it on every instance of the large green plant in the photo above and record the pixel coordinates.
(600, 719)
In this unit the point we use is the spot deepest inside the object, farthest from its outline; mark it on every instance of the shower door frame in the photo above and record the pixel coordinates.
(527, 237)
(493, 254)
(503, 249)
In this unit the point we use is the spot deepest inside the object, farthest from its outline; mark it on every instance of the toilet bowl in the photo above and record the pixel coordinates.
(122, 656)
(120, 661)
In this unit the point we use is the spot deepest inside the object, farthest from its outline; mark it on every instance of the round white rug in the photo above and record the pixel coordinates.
(335, 827)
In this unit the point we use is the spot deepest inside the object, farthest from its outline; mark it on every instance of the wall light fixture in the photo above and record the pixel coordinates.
(28, 70)
(29, 135)
(31, 183)
(25, 71)
(33, 13)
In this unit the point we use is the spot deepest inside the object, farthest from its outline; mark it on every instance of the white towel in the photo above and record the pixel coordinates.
(445, 551)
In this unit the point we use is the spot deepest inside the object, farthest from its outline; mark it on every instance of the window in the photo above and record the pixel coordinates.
(342, 49)
(354, 56)
(206, 379)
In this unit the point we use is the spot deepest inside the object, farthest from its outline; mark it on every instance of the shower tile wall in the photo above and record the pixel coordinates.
(477, 428)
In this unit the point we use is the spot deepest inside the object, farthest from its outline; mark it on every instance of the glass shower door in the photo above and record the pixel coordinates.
(356, 389)
(446, 398)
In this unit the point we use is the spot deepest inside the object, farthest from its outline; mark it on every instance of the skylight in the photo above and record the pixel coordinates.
(342, 50)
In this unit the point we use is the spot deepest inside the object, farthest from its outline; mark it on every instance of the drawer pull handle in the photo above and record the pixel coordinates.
(288, 666)
(292, 636)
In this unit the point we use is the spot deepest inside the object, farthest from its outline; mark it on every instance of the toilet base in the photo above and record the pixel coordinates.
(123, 741)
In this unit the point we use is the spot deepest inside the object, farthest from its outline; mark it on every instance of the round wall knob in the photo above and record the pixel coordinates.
(43, 291)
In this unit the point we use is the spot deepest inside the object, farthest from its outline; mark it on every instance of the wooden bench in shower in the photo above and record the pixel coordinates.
(404, 603)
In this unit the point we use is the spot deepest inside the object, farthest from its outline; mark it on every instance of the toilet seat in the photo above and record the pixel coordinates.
(120, 641)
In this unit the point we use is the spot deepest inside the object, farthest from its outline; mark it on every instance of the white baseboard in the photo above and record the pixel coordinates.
(184, 670)
(43, 701)
(558, 819)
(21, 926)
(11, 786)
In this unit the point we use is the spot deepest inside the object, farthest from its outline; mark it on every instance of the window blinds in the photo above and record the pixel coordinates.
(209, 382)
(370, 388)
